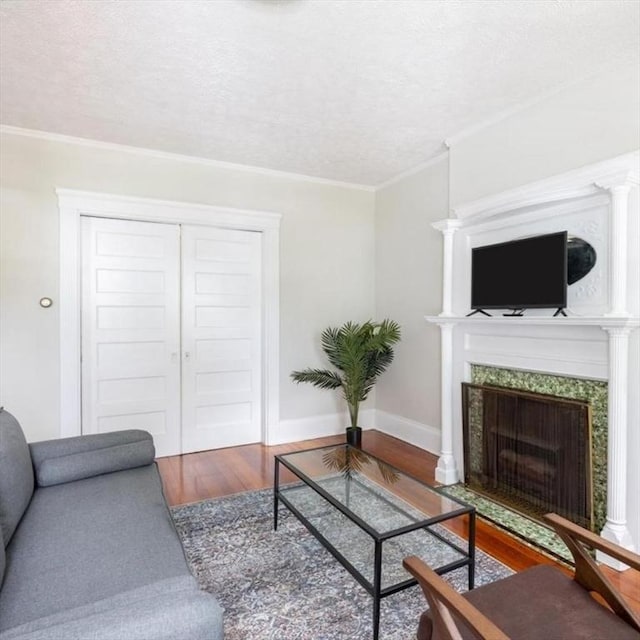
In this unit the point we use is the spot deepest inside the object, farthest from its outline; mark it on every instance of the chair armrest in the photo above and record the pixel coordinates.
(569, 529)
(70, 459)
(444, 600)
(588, 574)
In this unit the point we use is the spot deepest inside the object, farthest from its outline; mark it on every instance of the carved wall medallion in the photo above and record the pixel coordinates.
(581, 258)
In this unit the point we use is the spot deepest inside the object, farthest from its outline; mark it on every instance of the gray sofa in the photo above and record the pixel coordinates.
(88, 549)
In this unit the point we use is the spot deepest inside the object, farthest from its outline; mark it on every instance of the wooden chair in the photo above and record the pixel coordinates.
(540, 603)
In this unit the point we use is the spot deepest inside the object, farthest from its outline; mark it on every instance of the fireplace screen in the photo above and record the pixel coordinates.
(530, 451)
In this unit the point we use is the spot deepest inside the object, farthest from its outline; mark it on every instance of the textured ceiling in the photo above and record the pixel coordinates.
(356, 91)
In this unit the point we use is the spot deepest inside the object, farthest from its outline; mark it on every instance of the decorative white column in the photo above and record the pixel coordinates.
(618, 185)
(446, 472)
(448, 227)
(615, 528)
(618, 249)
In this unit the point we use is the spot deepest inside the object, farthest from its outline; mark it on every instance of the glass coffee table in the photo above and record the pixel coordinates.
(370, 516)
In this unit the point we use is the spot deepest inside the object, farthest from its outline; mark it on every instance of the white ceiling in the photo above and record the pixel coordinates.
(355, 91)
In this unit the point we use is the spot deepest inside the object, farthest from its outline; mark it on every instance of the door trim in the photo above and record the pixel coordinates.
(74, 204)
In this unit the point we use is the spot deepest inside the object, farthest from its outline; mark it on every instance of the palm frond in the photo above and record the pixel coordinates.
(322, 378)
(330, 340)
(378, 361)
(385, 334)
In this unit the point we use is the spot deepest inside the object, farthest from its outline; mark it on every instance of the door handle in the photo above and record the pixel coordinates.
(187, 356)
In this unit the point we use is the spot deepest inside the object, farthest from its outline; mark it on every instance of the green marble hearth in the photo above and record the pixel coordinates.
(531, 532)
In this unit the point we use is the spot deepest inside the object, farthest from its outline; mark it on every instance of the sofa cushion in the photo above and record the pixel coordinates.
(70, 459)
(89, 540)
(16, 475)
(165, 610)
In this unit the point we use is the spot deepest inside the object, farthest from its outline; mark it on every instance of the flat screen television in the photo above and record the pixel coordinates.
(521, 274)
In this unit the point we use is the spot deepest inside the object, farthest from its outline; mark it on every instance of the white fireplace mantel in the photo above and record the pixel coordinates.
(604, 322)
(593, 341)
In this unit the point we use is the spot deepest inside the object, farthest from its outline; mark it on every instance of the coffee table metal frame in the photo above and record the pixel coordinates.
(375, 589)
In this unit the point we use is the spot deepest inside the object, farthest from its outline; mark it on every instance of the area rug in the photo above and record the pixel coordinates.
(284, 585)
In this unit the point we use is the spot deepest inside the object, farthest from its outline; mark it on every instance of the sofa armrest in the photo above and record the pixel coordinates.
(70, 459)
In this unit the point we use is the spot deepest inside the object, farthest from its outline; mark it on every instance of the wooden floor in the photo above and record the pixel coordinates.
(212, 474)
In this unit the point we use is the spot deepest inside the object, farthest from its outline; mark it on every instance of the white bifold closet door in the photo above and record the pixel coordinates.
(171, 333)
(131, 329)
(221, 338)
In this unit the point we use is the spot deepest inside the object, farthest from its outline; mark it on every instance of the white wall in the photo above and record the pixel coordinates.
(408, 287)
(587, 122)
(326, 261)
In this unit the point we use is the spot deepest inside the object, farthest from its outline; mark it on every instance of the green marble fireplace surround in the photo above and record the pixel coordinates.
(591, 391)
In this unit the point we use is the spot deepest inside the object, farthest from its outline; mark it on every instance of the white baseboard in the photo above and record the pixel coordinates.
(418, 434)
(331, 424)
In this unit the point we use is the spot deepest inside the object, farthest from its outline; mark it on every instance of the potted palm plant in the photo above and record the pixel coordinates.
(360, 353)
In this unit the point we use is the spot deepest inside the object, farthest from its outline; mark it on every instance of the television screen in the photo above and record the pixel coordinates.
(521, 274)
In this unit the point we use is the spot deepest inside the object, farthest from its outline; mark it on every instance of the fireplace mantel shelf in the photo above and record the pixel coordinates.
(605, 322)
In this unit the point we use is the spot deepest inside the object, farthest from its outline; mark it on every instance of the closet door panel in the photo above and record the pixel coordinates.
(221, 338)
(131, 329)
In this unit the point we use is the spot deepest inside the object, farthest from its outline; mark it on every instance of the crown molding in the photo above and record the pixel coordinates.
(443, 155)
(177, 157)
(605, 67)
(500, 116)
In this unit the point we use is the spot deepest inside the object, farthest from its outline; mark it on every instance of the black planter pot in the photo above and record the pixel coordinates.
(354, 436)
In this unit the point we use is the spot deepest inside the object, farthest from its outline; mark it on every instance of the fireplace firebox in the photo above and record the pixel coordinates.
(529, 451)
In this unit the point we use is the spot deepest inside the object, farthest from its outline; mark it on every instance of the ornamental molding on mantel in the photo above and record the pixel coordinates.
(578, 183)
